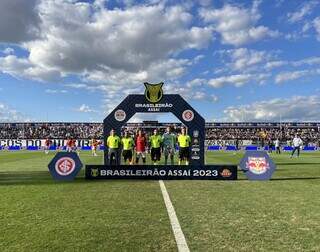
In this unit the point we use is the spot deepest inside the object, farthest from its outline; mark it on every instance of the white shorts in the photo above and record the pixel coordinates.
(141, 154)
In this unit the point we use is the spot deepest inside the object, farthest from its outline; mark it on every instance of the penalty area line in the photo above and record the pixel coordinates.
(175, 225)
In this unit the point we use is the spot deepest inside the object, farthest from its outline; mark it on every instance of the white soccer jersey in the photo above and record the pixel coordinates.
(297, 142)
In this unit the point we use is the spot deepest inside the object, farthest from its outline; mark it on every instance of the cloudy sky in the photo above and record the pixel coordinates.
(67, 60)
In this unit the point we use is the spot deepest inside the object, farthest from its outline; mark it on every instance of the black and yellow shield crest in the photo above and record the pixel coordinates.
(153, 92)
(94, 172)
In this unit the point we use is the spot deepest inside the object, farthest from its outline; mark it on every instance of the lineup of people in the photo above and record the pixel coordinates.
(141, 144)
(134, 148)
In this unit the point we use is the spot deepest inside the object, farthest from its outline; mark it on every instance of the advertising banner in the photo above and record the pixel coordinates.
(206, 172)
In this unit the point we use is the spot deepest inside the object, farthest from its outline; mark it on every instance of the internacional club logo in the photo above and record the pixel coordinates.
(65, 166)
(120, 115)
(188, 115)
(153, 92)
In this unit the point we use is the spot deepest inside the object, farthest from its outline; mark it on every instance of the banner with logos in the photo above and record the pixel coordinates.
(205, 172)
(41, 142)
(228, 142)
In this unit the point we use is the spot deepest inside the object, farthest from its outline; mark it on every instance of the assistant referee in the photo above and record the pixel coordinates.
(184, 142)
(127, 147)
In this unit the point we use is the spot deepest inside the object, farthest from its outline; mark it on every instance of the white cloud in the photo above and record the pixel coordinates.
(307, 61)
(304, 10)
(238, 80)
(110, 50)
(311, 61)
(214, 98)
(56, 91)
(77, 85)
(274, 64)
(77, 38)
(85, 109)
(244, 59)
(306, 27)
(237, 25)
(289, 76)
(198, 58)
(23, 68)
(205, 3)
(7, 114)
(8, 51)
(316, 24)
(198, 82)
(196, 91)
(297, 108)
(140, 117)
(19, 20)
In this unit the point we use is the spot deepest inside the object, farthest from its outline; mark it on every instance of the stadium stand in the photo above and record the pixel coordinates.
(226, 135)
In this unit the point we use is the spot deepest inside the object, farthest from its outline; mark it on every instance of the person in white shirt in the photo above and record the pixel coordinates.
(277, 146)
(297, 143)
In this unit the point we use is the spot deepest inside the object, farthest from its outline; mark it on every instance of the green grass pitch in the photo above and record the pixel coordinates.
(38, 214)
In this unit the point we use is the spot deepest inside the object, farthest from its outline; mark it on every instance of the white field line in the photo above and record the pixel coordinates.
(175, 225)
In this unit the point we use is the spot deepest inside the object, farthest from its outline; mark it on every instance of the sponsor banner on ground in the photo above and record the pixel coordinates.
(65, 166)
(206, 172)
(257, 165)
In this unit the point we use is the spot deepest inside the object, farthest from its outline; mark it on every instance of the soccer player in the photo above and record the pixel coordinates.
(74, 146)
(297, 143)
(184, 142)
(169, 144)
(155, 143)
(140, 146)
(69, 145)
(94, 146)
(113, 143)
(127, 147)
(47, 145)
(277, 145)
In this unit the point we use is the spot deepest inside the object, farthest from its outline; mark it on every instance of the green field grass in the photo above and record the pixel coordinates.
(38, 214)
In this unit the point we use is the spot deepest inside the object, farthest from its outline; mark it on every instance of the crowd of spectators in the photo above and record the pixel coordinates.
(95, 130)
(263, 134)
(50, 130)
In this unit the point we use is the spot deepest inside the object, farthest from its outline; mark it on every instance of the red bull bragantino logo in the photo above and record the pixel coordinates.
(257, 165)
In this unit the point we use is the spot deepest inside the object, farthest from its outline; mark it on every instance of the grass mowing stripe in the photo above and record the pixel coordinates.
(176, 228)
